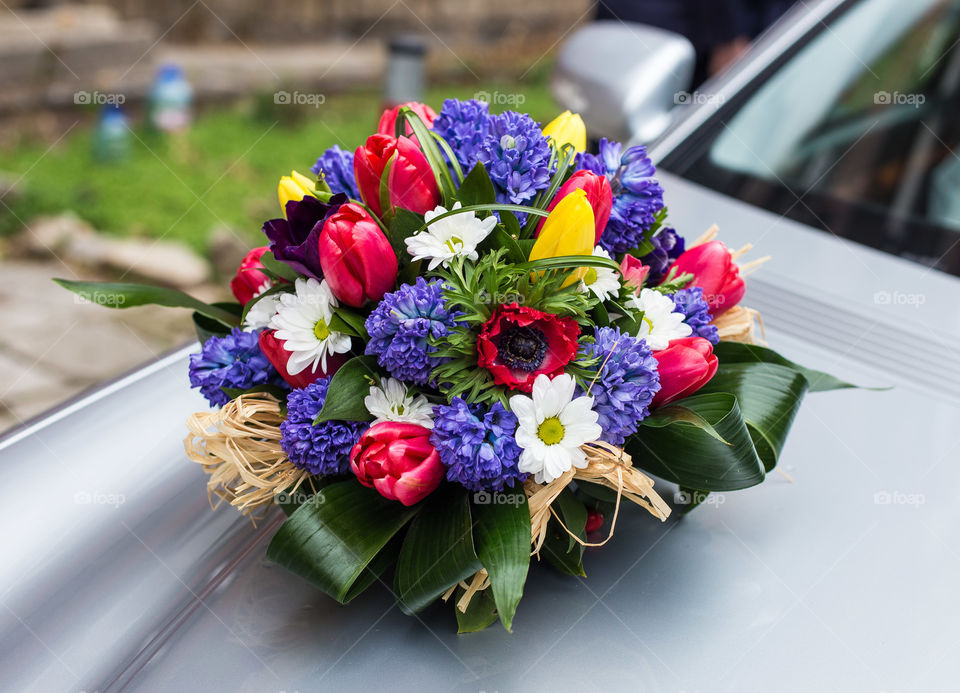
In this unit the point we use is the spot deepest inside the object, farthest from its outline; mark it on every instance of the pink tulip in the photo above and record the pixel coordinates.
(249, 280)
(278, 356)
(369, 162)
(634, 272)
(684, 366)
(715, 272)
(388, 121)
(397, 459)
(358, 261)
(599, 195)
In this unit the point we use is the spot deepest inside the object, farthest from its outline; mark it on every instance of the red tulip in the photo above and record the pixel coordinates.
(397, 459)
(599, 195)
(410, 181)
(358, 261)
(634, 272)
(249, 280)
(388, 121)
(369, 161)
(594, 521)
(277, 355)
(716, 272)
(684, 366)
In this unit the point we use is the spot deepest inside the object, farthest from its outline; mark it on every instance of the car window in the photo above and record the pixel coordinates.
(856, 133)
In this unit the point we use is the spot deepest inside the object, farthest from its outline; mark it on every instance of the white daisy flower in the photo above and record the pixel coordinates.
(261, 312)
(392, 402)
(660, 322)
(455, 235)
(302, 322)
(552, 425)
(602, 281)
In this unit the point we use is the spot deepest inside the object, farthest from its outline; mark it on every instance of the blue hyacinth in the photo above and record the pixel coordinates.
(233, 361)
(464, 125)
(516, 154)
(323, 448)
(400, 325)
(690, 302)
(337, 167)
(476, 445)
(627, 382)
(637, 196)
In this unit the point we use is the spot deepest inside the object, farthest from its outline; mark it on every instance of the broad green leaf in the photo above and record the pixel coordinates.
(567, 262)
(121, 295)
(563, 552)
(477, 188)
(347, 390)
(278, 268)
(332, 538)
(769, 396)
(499, 238)
(678, 449)
(208, 327)
(349, 322)
(404, 225)
(736, 352)
(503, 545)
(481, 612)
(438, 551)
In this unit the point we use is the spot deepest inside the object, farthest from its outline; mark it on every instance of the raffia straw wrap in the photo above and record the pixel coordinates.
(608, 466)
(239, 447)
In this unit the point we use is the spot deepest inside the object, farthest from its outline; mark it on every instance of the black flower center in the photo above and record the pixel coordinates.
(522, 348)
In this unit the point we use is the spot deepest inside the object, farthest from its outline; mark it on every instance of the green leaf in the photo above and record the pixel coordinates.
(769, 396)
(514, 227)
(431, 152)
(404, 225)
(438, 550)
(568, 262)
(347, 390)
(349, 322)
(499, 238)
(277, 268)
(679, 449)
(332, 538)
(208, 327)
(735, 352)
(563, 552)
(120, 295)
(477, 188)
(503, 545)
(481, 612)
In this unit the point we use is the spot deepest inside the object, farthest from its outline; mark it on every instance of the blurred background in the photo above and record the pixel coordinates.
(143, 141)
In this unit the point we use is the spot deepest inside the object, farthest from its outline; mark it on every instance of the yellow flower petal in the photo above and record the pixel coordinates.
(293, 187)
(568, 128)
(569, 230)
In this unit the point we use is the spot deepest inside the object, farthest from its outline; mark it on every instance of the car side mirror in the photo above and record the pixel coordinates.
(623, 78)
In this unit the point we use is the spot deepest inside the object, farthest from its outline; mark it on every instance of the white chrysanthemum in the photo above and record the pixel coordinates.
(261, 312)
(602, 281)
(660, 322)
(303, 320)
(552, 425)
(459, 234)
(392, 402)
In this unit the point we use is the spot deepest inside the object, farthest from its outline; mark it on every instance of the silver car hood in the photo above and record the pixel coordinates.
(118, 575)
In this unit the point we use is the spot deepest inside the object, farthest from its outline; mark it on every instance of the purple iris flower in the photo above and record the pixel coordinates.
(296, 239)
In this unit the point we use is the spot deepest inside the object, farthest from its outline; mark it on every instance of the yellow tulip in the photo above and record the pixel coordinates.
(569, 230)
(568, 128)
(294, 187)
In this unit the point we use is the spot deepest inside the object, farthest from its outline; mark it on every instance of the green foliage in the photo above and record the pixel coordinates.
(347, 390)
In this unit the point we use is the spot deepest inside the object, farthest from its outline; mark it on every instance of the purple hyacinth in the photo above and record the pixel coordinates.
(233, 361)
(627, 381)
(668, 245)
(476, 445)
(637, 196)
(323, 448)
(337, 168)
(690, 302)
(400, 325)
(516, 154)
(464, 125)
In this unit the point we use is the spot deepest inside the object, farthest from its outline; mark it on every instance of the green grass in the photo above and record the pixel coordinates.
(224, 170)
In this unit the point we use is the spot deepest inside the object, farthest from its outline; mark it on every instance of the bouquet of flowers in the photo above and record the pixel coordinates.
(468, 343)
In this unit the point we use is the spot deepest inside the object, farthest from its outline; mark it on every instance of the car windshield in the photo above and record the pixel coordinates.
(856, 133)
